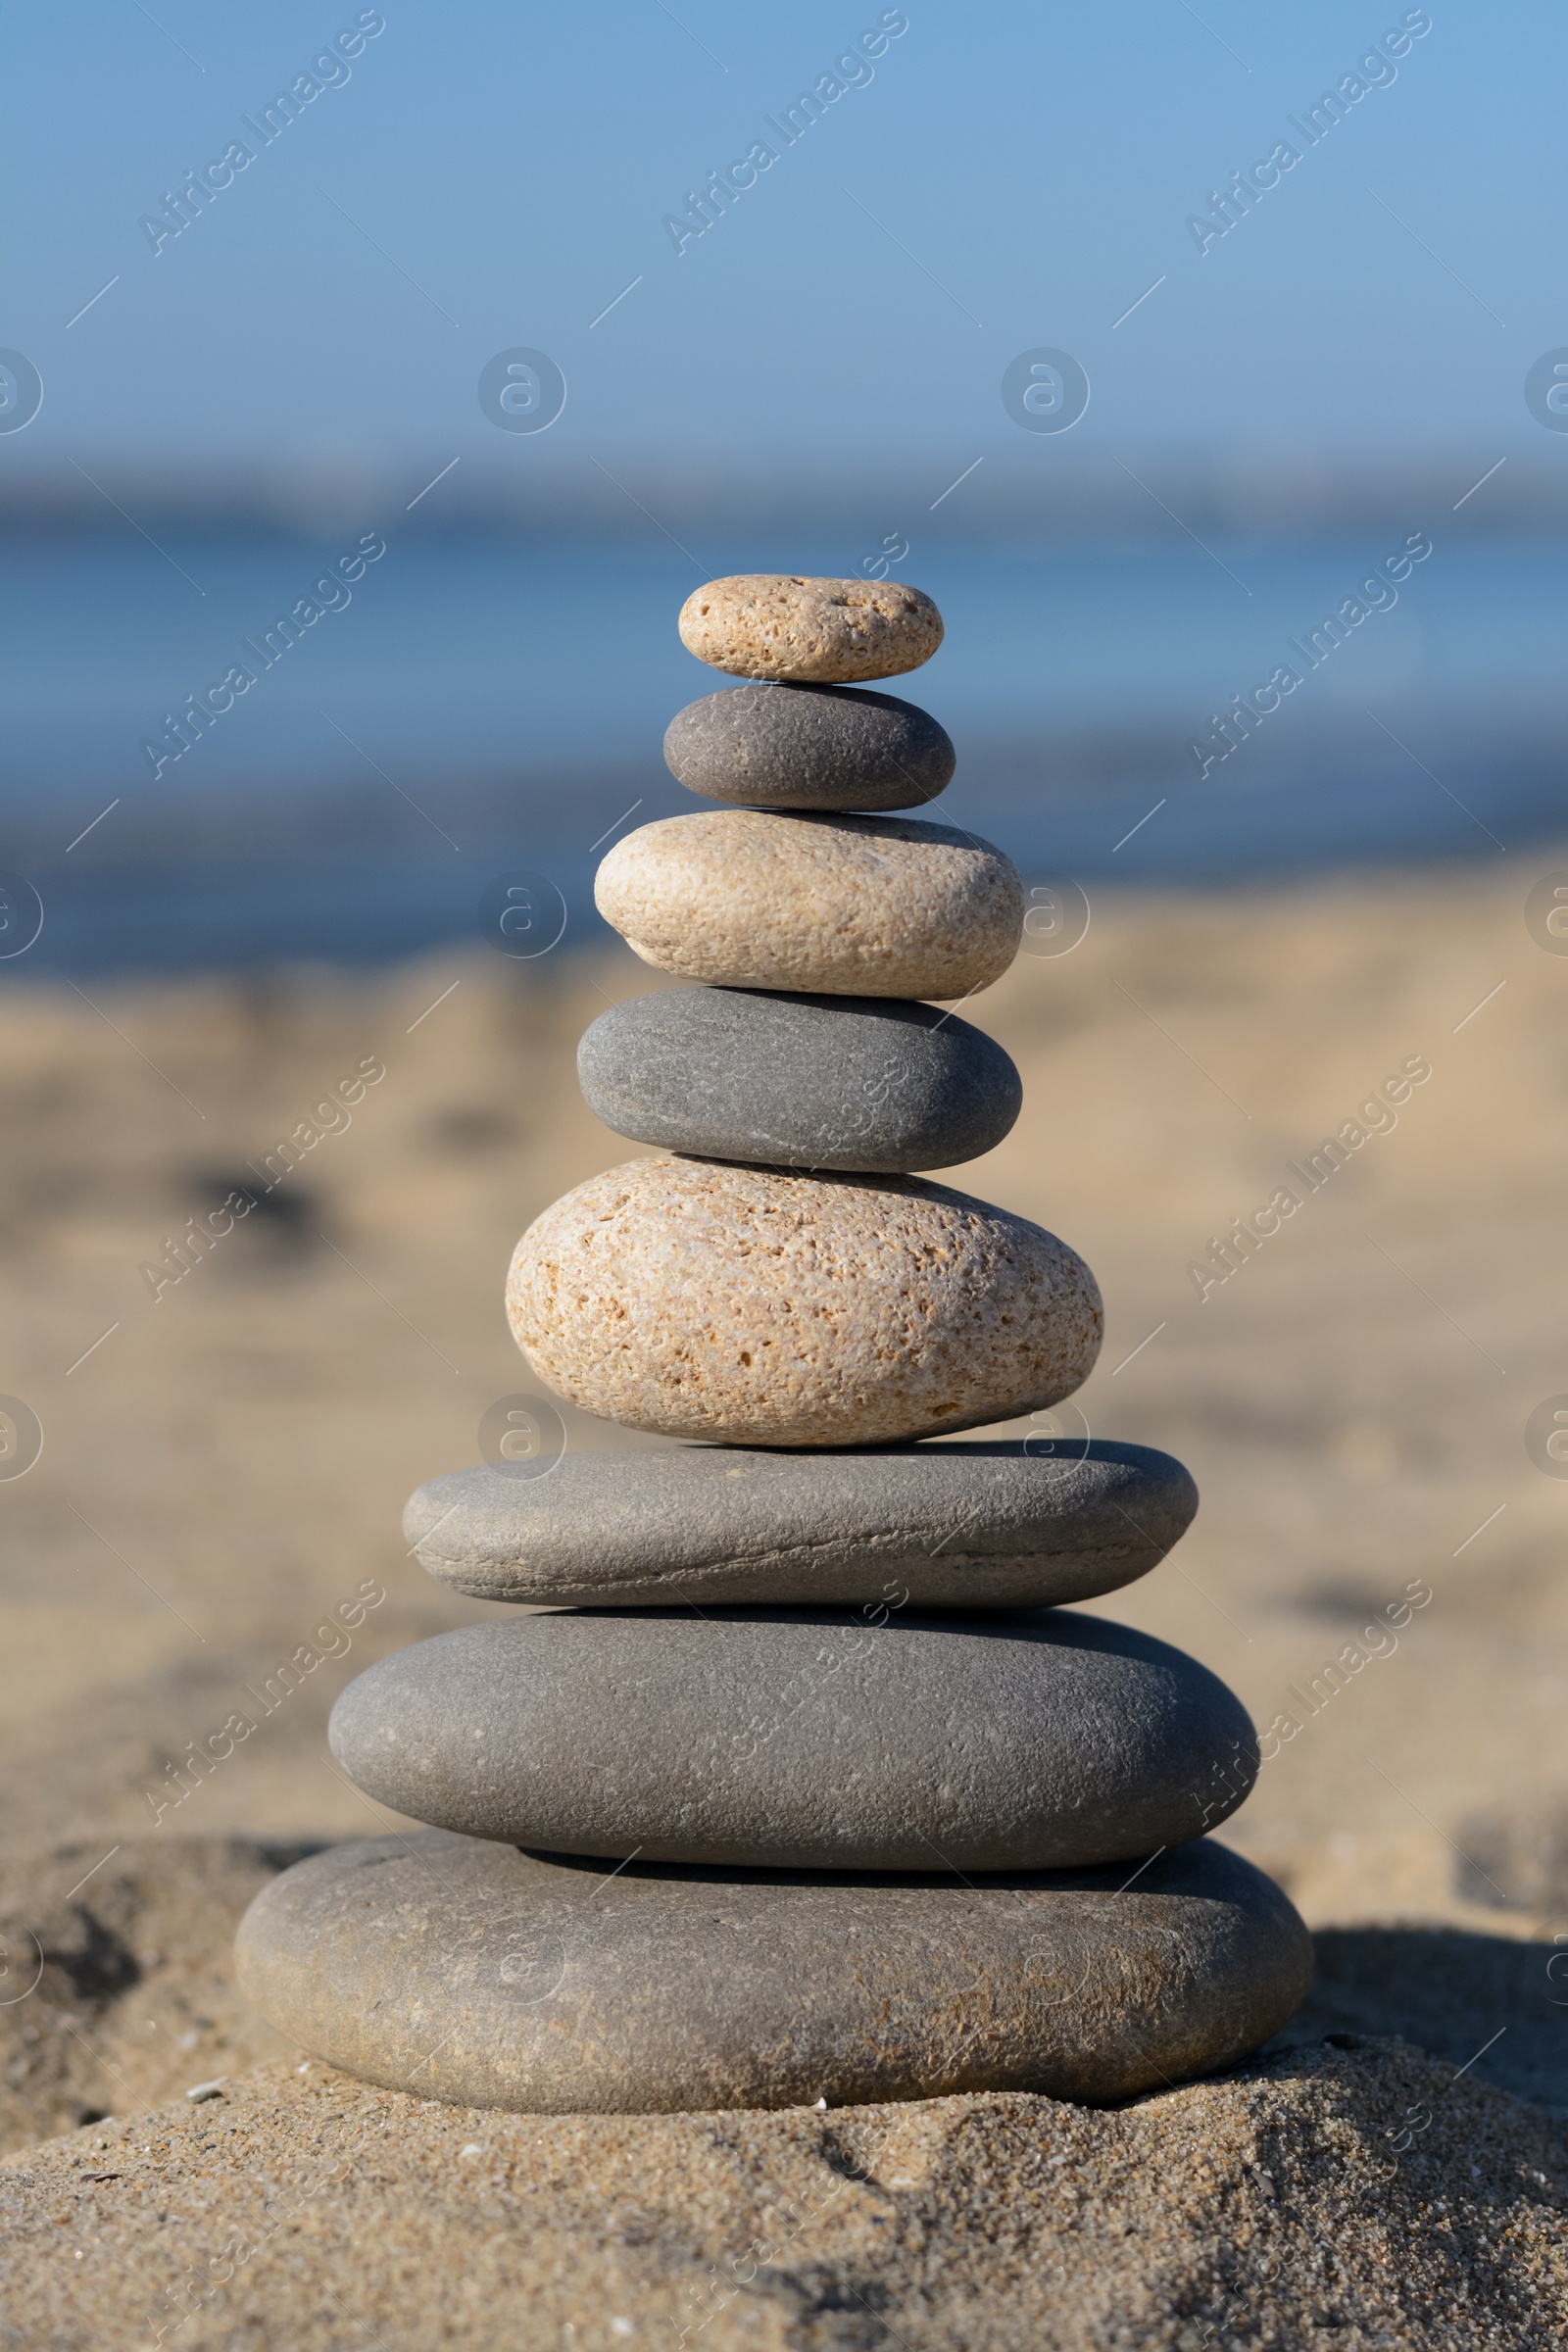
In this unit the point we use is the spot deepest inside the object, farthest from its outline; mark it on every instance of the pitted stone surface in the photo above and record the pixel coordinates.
(870, 1084)
(835, 906)
(961, 1525)
(769, 624)
(808, 747)
(472, 1973)
(873, 1739)
(700, 1299)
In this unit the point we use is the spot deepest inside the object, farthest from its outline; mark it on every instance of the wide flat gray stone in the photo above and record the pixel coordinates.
(808, 747)
(966, 1524)
(809, 1740)
(464, 1971)
(860, 1085)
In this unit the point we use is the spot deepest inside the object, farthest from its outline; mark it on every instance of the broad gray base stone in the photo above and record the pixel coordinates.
(804, 1739)
(861, 1085)
(972, 1525)
(468, 1972)
(776, 746)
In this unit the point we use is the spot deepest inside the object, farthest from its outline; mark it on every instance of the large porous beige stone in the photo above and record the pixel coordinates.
(701, 1300)
(826, 906)
(770, 624)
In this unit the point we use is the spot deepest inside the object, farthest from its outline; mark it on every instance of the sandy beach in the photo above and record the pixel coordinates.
(1376, 1566)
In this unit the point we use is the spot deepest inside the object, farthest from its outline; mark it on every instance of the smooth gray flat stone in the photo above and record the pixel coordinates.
(966, 1524)
(860, 1085)
(468, 1972)
(802, 1740)
(810, 746)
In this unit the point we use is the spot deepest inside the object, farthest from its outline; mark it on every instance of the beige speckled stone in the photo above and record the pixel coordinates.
(701, 1300)
(768, 624)
(828, 906)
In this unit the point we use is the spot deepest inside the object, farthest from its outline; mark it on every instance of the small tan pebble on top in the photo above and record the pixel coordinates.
(767, 624)
(699, 1299)
(831, 906)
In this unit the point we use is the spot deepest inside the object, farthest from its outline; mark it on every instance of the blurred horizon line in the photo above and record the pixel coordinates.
(1255, 493)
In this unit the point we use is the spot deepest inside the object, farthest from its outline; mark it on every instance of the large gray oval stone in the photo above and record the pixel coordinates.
(863, 1085)
(810, 746)
(464, 1971)
(1027, 1739)
(998, 1524)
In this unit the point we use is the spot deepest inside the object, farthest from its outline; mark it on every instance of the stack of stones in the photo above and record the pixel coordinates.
(801, 1784)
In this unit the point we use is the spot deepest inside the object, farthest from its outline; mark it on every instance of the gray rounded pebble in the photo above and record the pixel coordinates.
(468, 1972)
(1025, 1739)
(810, 746)
(981, 1524)
(860, 1085)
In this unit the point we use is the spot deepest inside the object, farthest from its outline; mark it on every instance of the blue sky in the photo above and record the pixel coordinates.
(1014, 174)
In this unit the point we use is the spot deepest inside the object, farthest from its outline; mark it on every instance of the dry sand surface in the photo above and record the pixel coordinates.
(1283, 2208)
(227, 1467)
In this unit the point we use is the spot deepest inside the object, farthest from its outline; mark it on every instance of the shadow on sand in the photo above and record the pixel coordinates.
(1495, 2006)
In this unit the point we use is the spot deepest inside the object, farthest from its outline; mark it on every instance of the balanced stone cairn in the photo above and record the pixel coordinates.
(802, 1786)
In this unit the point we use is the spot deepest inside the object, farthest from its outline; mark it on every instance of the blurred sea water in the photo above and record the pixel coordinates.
(485, 702)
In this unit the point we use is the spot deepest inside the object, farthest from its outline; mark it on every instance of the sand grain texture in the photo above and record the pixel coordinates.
(306, 2210)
